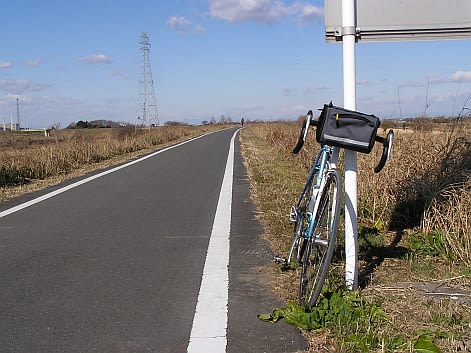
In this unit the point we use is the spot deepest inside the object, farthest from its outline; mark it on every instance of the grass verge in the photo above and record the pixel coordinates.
(401, 242)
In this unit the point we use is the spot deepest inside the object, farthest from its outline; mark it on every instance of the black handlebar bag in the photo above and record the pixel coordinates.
(347, 129)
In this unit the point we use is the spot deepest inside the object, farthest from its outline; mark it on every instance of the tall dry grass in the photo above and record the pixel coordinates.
(276, 175)
(425, 187)
(23, 159)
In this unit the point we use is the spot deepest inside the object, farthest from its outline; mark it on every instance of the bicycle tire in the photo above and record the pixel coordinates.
(320, 246)
(298, 245)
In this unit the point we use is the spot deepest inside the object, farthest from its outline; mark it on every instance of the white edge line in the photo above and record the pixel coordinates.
(93, 177)
(209, 330)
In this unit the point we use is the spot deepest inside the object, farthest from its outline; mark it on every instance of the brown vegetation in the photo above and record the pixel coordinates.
(28, 160)
(414, 222)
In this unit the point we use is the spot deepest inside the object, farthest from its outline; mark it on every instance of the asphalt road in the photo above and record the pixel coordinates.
(115, 264)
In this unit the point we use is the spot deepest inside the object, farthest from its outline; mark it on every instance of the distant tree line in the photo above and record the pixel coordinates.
(95, 124)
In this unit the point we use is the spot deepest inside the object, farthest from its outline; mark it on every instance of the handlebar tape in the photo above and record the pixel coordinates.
(302, 136)
(386, 154)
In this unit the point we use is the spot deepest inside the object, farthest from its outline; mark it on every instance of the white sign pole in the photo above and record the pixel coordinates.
(349, 97)
(391, 20)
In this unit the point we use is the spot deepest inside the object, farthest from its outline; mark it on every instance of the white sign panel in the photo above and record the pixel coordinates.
(398, 20)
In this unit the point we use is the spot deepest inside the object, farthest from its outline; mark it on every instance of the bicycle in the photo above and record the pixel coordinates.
(316, 215)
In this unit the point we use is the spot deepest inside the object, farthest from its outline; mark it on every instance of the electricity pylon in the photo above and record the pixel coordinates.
(147, 106)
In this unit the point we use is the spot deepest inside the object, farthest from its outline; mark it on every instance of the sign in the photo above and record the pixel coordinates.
(399, 20)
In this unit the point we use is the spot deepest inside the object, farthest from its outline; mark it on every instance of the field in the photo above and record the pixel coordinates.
(414, 233)
(31, 161)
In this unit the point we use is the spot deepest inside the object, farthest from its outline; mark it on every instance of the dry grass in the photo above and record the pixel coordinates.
(29, 162)
(451, 215)
(424, 190)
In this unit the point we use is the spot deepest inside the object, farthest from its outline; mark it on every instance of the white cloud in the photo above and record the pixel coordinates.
(412, 83)
(458, 76)
(11, 98)
(96, 59)
(34, 62)
(310, 13)
(324, 88)
(179, 24)
(461, 76)
(254, 107)
(364, 83)
(117, 73)
(5, 64)
(200, 29)
(18, 86)
(264, 11)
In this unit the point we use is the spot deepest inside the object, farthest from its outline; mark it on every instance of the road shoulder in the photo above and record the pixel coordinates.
(249, 294)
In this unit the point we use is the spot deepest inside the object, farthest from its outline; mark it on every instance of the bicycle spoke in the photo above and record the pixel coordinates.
(321, 245)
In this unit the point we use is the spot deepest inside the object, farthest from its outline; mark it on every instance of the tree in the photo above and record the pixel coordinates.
(173, 123)
(81, 124)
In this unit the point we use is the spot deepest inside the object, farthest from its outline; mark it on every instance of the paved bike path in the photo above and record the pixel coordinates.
(100, 268)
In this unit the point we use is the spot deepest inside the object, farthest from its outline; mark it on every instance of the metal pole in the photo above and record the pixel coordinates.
(349, 96)
(18, 122)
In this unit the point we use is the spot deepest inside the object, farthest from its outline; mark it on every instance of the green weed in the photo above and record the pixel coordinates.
(431, 244)
(424, 344)
(357, 325)
(355, 322)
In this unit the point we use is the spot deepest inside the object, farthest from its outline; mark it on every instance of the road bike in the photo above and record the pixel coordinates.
(316, 215)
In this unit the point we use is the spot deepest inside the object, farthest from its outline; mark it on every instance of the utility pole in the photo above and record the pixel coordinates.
(18, 122)
(147, 107)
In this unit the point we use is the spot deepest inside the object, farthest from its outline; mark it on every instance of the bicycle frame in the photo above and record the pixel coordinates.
(322, 165)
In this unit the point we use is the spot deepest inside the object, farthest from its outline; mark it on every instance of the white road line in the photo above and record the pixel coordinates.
(209, 331)
(86, 180)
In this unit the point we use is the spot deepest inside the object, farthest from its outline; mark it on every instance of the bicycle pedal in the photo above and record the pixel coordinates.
(279, 259)
(293, 215)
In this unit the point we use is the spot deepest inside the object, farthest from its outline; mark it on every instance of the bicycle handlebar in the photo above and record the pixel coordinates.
(387, 149)
(304, 129)
(387, 141)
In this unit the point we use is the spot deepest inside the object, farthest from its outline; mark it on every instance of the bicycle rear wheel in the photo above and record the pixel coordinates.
(321, 244)
(300, 211)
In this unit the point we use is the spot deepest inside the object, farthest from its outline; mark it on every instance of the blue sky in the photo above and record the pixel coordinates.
(259, 59)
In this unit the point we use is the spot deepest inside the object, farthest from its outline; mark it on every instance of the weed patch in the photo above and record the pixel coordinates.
(12, 176)
(358, 326)
(429, 245)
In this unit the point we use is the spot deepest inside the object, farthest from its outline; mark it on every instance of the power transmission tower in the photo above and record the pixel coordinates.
(18, 122)
(147, 107)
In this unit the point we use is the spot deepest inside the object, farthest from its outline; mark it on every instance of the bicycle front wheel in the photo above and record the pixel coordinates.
(321, 244)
